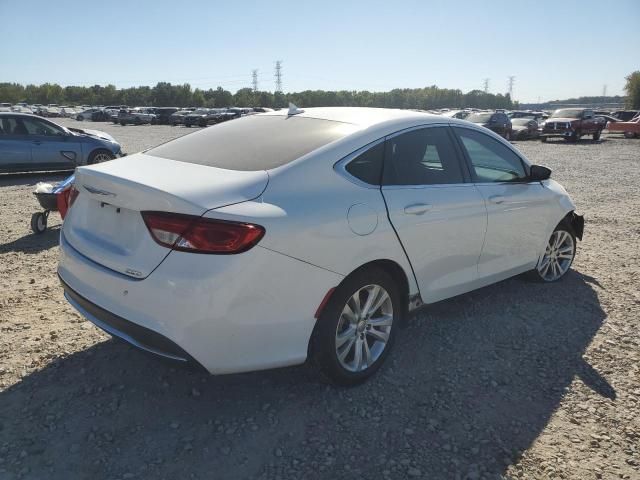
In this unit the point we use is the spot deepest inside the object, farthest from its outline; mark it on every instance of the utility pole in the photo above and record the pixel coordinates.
(485, 84)
(511, 81)
(254, 80)
(278, 76)
(604, 90)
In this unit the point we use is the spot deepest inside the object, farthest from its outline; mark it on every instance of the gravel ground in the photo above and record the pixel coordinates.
(517, 380)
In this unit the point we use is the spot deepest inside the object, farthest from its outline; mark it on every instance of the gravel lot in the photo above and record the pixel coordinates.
(516, 380)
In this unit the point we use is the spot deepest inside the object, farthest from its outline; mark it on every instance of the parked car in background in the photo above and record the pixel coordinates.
(461, 114)
(625, 115)
(86, 114)
(29, 142)
(311, 233)
(630, 129)
(194, 118)
(571, 124)
(5, 107)
(177, 118)
(68, 112)
(495, 121)
(524, 128)
(163, 115)
(135, 116)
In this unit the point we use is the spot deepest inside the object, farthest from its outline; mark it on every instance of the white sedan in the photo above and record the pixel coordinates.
(296, 235)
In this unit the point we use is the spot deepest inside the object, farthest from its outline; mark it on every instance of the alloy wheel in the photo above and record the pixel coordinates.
(102, 157)
(558, 256)
(364, 328)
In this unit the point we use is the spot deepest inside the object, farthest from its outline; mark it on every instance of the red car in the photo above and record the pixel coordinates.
(630, 129)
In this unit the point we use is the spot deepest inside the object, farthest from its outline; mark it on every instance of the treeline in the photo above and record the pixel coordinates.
(589, 100)
(167, 95)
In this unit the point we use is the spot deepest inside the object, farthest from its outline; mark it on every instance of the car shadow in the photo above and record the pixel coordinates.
(34, 243)
(471, 384)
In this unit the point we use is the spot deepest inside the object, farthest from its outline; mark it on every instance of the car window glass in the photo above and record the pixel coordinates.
(11, 127)
(421, 157)
(368, 165)
(37, 127)
(491, 160)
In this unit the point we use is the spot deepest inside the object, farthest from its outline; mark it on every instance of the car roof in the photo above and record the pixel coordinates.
(362, 116)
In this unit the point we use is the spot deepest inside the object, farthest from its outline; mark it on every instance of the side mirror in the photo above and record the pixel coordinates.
(539, 173)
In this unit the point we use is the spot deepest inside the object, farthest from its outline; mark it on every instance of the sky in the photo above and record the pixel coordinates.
(555, 49)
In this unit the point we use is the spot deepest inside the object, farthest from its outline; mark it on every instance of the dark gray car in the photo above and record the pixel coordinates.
(29, 142)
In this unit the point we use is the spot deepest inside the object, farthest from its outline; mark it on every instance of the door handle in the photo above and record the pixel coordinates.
(496, 199)
(417, 208)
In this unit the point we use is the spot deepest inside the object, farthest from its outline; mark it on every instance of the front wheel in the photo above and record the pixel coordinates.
(99, 156)
(507, 135)
(558, 255)
(355, 332)
(596, 135)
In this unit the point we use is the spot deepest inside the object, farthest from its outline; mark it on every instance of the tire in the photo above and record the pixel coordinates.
(576, 136)
(342, 364)
(630, 135)
(137, 121)
(38, 222)
(123, 123)
(99, 156)
(544, 139)
(561, 255)
(79, 118)
(596, 135)
(507, 135)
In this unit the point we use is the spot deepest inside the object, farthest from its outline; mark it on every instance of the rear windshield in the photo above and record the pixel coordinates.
(253, 143)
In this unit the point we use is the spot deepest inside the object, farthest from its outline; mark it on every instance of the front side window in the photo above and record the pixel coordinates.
(421, 157)
(491, 161)
(38, 127)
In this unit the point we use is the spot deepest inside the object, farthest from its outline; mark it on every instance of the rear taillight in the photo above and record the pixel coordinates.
(189, 233)
(73, 194)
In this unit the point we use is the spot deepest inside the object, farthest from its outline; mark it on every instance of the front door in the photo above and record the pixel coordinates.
(440, 220)
(51, 146)
(517, 209)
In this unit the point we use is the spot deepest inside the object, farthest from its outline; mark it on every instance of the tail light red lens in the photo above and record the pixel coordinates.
(189, 233)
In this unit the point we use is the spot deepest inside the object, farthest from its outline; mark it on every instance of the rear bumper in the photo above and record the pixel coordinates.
(228, 313)
(136, 335)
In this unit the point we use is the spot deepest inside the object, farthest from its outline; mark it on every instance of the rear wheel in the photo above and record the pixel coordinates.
(558, 255)
(356, 330)
(99, 156)
(507, 135)
(543, 139)
(630, 135)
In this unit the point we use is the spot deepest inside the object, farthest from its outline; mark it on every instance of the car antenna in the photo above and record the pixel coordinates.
(293, 110)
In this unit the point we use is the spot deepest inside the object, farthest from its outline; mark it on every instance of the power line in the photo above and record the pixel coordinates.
(254, 80)
(278, 76)
(485, 84)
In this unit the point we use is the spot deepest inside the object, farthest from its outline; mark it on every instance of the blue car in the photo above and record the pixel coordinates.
(29, 142)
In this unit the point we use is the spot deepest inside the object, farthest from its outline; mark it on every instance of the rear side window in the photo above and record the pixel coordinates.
(367, 166)
(421, 157)
(254, 142)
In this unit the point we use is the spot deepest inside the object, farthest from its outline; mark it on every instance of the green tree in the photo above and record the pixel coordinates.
(632, 88)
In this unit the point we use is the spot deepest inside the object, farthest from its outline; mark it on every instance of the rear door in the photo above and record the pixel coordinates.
(517, 209)
(15, 149)
(440, 219)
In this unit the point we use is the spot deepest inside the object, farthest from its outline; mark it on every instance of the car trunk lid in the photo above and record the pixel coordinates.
(105, 223)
